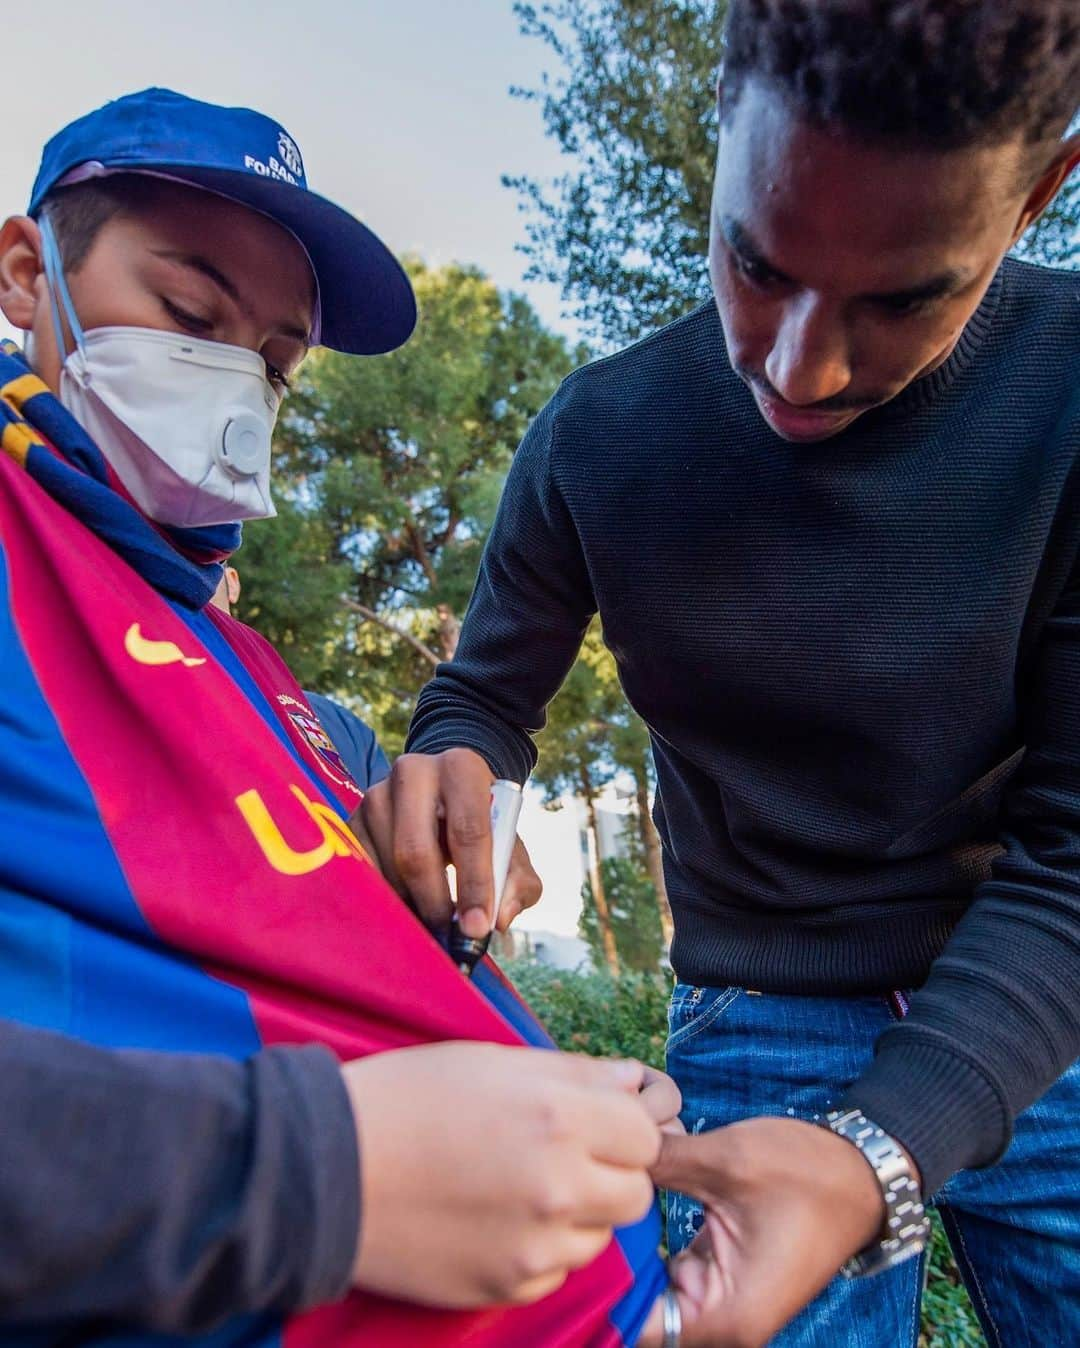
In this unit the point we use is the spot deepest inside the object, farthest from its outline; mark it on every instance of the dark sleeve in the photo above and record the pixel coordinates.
(170, 1192)
(524, 626)
(998, 1021)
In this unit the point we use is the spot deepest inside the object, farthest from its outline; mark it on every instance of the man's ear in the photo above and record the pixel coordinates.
(1049, 183)
(20, 270)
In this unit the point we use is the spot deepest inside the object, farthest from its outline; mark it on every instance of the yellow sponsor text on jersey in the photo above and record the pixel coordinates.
(337, 839)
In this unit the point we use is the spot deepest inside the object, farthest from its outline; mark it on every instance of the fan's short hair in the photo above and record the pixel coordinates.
(77, 213)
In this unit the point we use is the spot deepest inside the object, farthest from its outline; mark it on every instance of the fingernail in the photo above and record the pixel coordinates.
(474, 923)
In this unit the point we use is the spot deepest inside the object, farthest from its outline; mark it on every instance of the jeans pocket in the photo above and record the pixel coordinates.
(694, 1009)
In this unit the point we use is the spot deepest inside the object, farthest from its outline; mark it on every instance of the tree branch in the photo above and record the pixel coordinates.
(415, 642)
(420, 551)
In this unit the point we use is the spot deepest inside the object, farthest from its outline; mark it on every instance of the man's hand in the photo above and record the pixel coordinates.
(786, 1203)
(434, 810)
(490, 1173)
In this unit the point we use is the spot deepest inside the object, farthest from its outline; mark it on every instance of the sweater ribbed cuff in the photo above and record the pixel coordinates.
(935, 1102)
(463, 733)
(321, 1149)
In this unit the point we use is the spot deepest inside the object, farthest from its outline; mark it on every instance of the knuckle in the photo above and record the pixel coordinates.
(460, 756)
(410, 856)
(551, 1120)
(554, 1203)
(468, 829)
(531, 897)
(531, 1260)
(404, 766)
(527, 887)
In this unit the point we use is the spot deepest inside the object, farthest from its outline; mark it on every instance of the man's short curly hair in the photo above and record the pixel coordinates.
(941, 74)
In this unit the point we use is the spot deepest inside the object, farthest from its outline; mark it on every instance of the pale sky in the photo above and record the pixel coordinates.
(400, 107)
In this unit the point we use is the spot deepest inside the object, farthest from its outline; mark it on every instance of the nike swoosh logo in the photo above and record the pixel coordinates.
(147, 652)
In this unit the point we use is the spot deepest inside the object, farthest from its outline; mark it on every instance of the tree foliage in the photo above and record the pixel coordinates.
(633, 913)
(630, 101)
(1055, 240)
(624, 232)
(577, 743)
(387, 474)
(592, 735)
(292, 583)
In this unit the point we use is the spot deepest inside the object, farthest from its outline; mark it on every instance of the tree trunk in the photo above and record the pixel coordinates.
(596, 879)
(654, 857)
(449, 631)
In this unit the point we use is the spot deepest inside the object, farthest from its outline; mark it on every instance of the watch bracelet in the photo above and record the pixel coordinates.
(906, 1227)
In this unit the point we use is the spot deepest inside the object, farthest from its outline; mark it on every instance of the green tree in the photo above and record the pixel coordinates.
(634, 917)
(630, 101)
(575, 759)
(631, 753)
(292, 584)
(592, 734)
(625, 231)
(1055, 240)
(387, 475)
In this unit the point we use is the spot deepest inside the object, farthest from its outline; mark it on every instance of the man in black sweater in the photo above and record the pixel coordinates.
(831, 527)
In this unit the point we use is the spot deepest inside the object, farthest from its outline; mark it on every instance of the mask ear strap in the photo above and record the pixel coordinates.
(54, 276)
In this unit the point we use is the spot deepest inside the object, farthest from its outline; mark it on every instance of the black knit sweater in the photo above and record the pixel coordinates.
(860, 664)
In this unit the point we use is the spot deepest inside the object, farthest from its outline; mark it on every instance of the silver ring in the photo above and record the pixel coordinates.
(672, 1319)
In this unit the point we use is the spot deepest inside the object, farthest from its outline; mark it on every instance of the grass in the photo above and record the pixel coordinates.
(594, 1013)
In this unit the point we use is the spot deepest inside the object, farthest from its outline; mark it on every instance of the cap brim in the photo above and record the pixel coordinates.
(366, 299)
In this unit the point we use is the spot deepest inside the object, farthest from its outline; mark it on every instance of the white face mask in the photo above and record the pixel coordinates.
(185, 423)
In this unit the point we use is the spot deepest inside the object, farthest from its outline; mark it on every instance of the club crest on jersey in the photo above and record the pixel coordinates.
(315, 737)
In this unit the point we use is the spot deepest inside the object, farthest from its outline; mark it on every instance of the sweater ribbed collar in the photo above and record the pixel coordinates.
(922, 392)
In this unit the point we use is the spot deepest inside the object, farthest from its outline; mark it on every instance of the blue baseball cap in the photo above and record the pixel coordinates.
(365, 301)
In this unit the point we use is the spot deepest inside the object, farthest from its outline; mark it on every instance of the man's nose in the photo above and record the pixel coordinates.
(809, 360)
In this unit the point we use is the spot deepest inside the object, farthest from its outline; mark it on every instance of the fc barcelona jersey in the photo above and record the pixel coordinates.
(176, 872)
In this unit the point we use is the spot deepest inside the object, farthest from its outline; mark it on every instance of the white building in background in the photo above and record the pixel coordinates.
(558, 845)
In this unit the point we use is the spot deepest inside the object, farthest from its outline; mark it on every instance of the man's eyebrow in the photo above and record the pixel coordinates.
(739, 239)
(938, 287)
(203, 265)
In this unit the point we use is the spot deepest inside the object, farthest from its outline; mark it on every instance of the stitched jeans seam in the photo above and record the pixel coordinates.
(969, 1273)
(702, 1022)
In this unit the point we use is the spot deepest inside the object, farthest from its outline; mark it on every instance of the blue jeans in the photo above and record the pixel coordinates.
(1015, 1228)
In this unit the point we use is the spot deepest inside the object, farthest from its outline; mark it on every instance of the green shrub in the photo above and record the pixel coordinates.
(595, 1013)
(589, 1012)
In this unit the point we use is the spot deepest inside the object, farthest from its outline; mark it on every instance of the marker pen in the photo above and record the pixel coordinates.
(506, 798)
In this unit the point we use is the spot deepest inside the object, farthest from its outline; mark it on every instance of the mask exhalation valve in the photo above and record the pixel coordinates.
(245, 446)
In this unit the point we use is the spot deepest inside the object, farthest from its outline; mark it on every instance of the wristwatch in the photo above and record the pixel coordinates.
(907, 1226)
